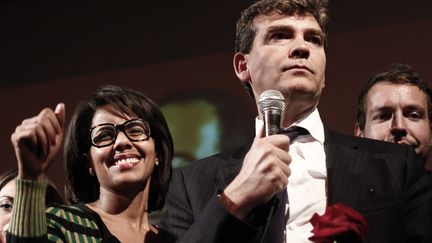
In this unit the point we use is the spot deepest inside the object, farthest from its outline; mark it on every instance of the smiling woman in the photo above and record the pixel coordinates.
(117, 153)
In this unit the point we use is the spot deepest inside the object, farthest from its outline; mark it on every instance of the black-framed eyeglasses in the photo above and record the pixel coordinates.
(105, 134)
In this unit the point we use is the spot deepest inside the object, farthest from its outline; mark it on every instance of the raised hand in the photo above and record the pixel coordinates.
(37, 141)
(264, 173)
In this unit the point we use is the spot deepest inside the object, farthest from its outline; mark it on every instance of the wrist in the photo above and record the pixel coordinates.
(31, 176)
(232, 207)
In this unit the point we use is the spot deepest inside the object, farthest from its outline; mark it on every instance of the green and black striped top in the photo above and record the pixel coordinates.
(31, 223)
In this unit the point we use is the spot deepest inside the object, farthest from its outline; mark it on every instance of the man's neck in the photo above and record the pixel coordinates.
(295, 112)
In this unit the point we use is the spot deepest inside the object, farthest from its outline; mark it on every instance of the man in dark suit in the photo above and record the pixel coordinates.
(267, 191)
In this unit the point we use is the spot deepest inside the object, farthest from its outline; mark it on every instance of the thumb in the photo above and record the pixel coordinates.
(60, 112)
(260, 132)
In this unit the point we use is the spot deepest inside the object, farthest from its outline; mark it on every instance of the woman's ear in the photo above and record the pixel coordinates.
(91, 169)
(156, 160)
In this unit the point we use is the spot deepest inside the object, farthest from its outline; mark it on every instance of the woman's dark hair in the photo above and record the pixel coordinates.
(6, 177)
(52, 195)
(80, 185)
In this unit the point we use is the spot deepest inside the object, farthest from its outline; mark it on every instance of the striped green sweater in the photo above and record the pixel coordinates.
(31, 223)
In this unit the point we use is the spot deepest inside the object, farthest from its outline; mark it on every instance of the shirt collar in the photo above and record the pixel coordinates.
(312, 122)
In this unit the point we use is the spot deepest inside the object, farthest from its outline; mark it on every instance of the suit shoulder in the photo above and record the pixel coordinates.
(366, 144)
(212, 163)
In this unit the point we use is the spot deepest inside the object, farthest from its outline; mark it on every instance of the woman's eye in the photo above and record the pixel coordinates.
(104, 136)
(6, 206)
(136, 131)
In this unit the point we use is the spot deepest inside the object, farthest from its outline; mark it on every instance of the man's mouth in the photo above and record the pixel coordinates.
(297, 67)
(407, 143)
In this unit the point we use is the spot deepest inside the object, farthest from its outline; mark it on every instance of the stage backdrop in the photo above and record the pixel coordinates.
(206, 106)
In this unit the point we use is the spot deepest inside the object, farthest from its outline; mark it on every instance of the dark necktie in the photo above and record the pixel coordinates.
(294, 132)
(276, 225)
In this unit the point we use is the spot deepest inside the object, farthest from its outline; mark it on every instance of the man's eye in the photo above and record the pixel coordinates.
(415, 115)
(317, 40)
(383, 116)
(279, 36)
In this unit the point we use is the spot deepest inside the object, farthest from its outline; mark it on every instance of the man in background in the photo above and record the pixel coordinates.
(395, 106)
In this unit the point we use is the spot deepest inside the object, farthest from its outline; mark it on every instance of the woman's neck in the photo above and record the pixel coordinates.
(129, 207)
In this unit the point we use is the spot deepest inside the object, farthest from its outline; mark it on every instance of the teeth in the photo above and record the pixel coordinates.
(127, 161)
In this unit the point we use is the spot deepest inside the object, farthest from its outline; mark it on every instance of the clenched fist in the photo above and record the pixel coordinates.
(37, 141)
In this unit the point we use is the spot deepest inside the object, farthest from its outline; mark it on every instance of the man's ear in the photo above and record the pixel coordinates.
(357, 131)
(240, 67)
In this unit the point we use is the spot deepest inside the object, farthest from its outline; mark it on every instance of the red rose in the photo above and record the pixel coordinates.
(339, 223)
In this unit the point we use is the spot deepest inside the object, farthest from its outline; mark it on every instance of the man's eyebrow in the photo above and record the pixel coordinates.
(415, 107)
(289, 28)
(384, 108)
(315, 31)
(277, 28)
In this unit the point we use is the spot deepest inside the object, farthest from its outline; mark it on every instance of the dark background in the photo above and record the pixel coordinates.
(52, 51)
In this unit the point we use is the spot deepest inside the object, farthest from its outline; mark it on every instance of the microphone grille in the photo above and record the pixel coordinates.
(271, 99)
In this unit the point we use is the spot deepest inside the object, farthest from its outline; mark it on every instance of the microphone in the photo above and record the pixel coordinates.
(271, 104)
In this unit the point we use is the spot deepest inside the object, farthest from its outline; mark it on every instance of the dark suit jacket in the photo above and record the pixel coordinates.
(385, 182)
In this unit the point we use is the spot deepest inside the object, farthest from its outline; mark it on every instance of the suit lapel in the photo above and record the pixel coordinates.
(229, 170)
(226, 175)
(345, 165)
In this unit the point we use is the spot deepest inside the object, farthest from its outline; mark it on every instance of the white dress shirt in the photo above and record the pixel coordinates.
(307, 182)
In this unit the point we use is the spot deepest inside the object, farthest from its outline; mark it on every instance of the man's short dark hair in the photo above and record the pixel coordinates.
(398, 73)
(245, 31)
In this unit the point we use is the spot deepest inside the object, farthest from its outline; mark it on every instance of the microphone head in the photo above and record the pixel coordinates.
(271, 99)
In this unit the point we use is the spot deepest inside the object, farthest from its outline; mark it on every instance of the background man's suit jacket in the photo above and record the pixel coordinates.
(385, 182)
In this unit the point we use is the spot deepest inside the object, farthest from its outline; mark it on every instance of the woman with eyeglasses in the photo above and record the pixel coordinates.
(117, 154)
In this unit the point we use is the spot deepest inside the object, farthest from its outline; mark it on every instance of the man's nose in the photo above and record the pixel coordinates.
(300, 49)
(398, 129)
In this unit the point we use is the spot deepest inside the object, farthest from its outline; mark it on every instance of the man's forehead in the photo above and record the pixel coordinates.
(388, 94)
(401, 87)
(299, 21)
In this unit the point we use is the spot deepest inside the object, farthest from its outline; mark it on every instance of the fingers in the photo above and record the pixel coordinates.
(40, 137)
(264, 172)
(47, 127)
(32, 136)
(274, 162)
(2, 237)
(274, 143)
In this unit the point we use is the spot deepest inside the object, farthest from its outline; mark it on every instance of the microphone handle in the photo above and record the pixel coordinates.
(272, 118)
